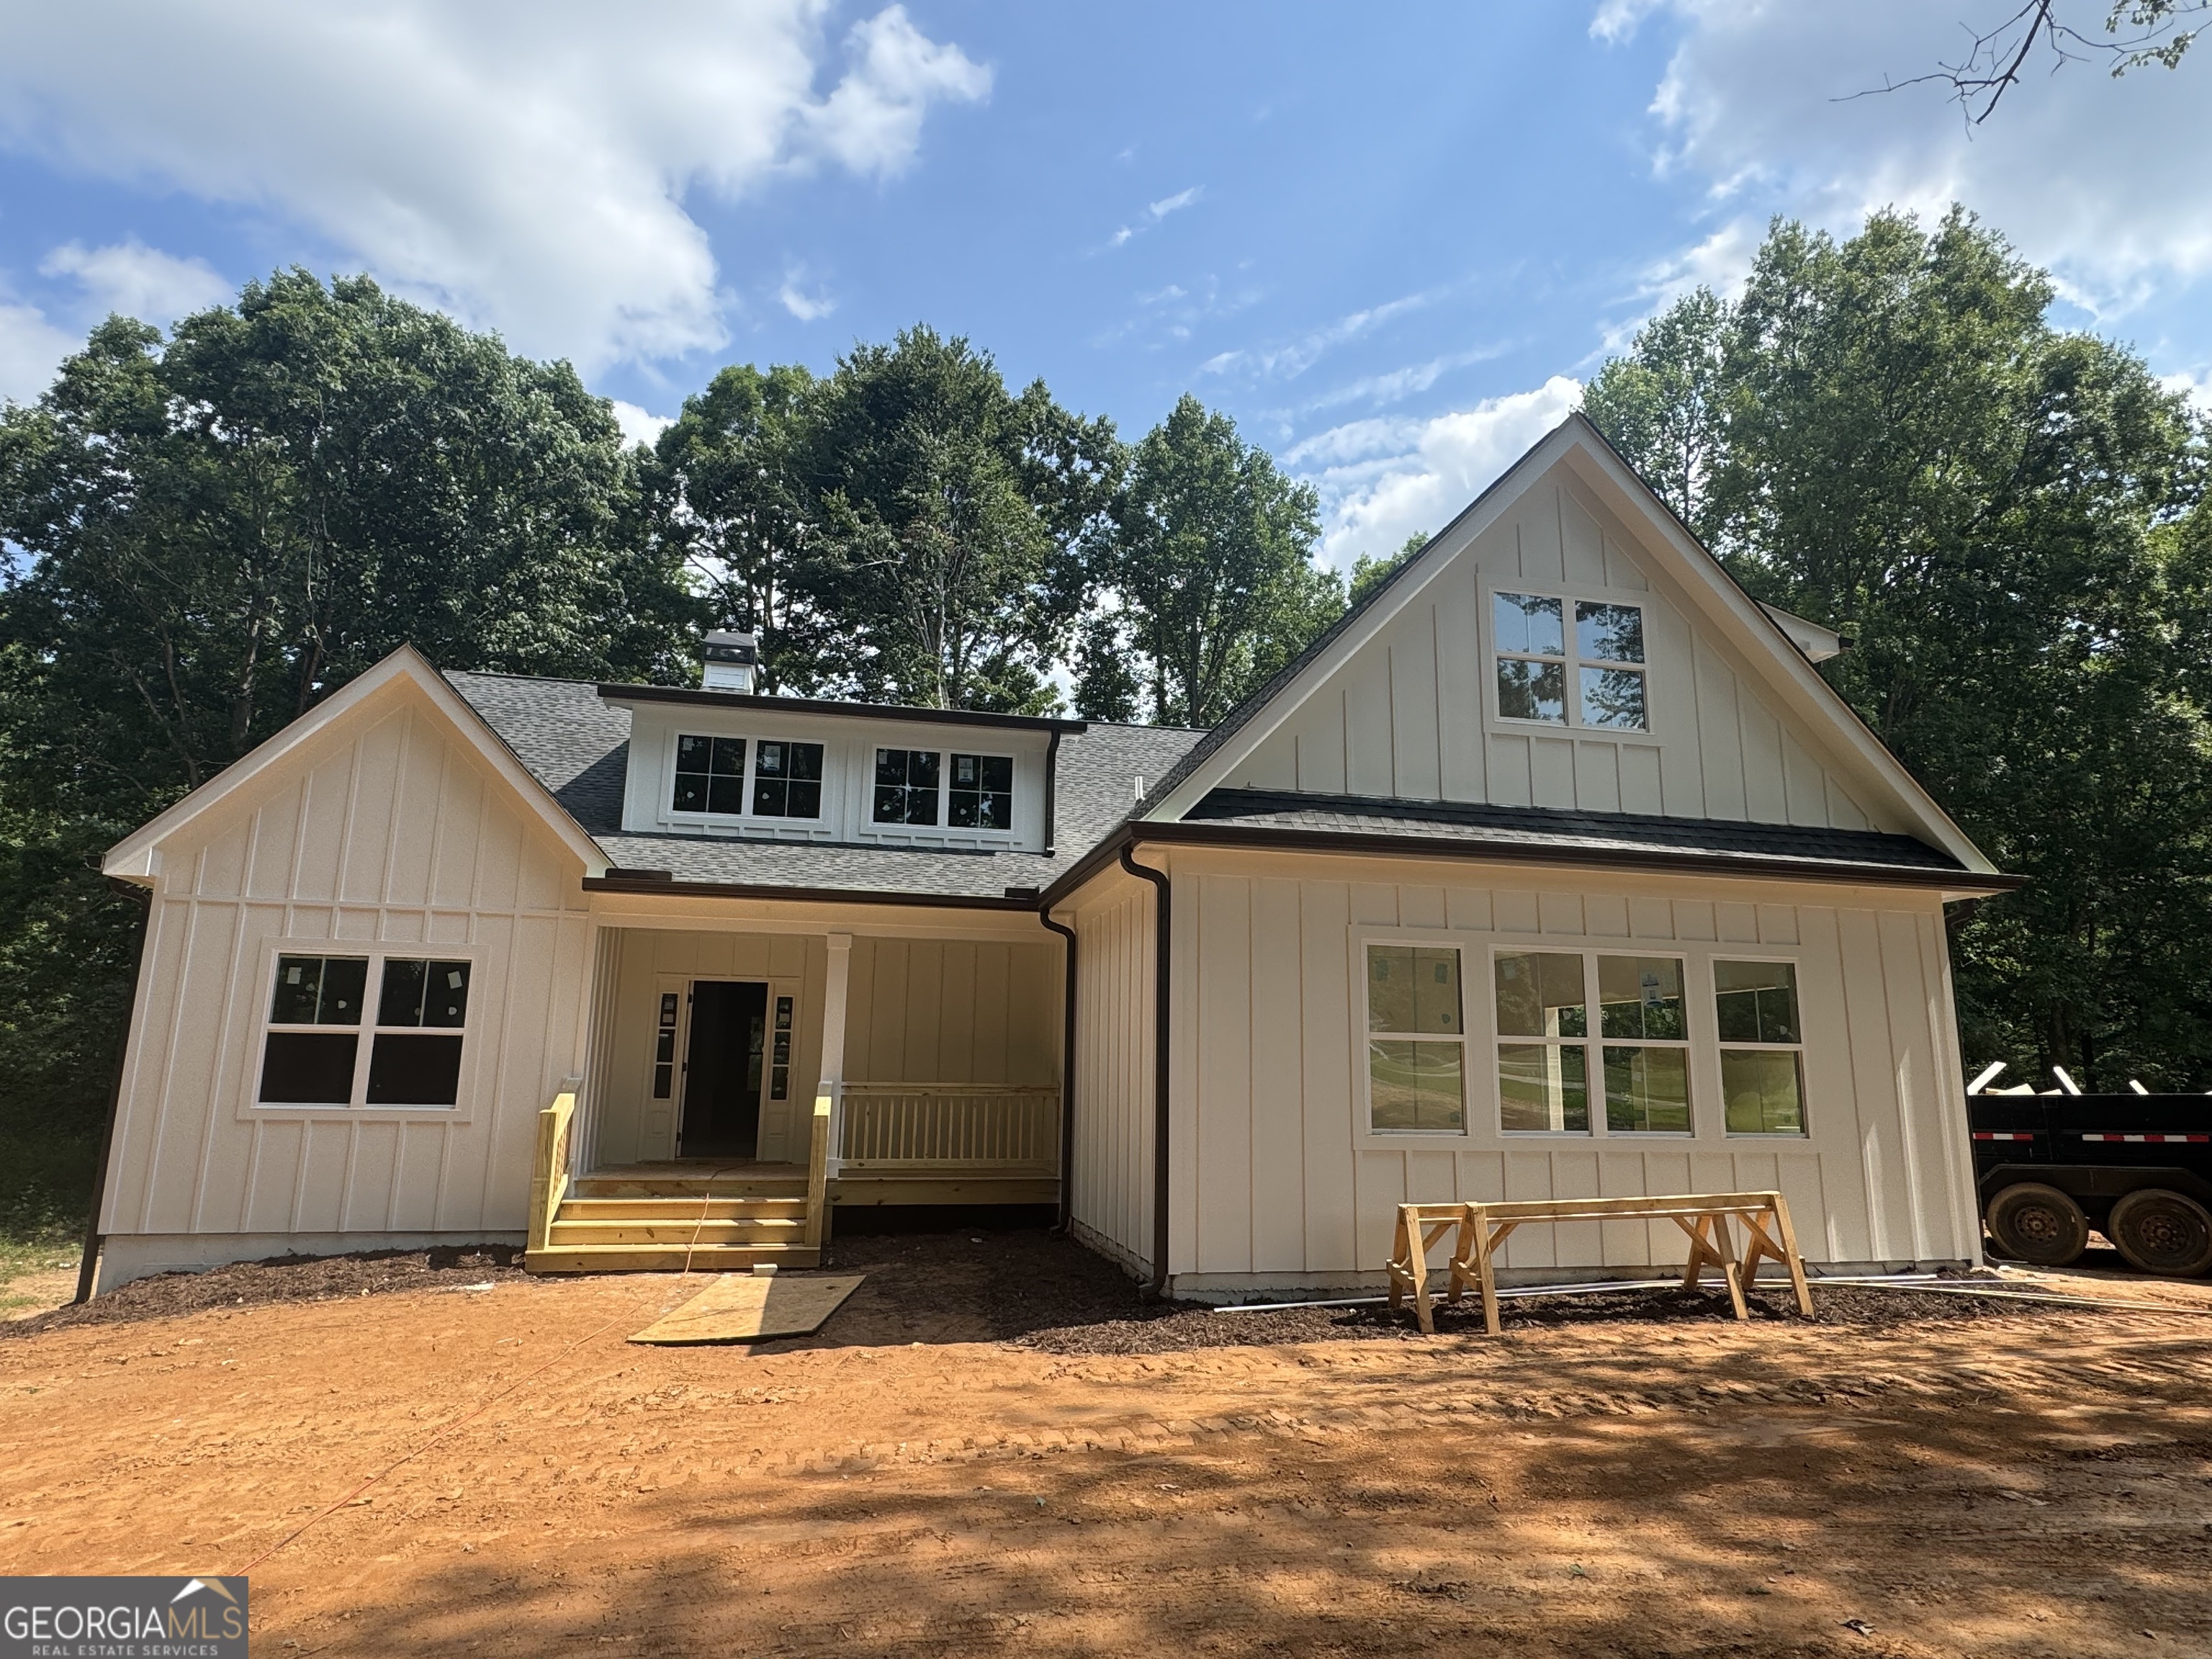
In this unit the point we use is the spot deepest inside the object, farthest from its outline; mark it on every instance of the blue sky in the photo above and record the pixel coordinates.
(1390, 241)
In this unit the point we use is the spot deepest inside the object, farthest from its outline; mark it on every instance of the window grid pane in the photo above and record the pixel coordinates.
(981, 796)
(906, 785)
(710, 774)
(787, 780)
(1646, 1090)
(1416, 1085)
(1544, 1086)
(1764, 1089)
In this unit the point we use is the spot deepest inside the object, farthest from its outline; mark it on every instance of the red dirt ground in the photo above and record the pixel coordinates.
(907, 1483)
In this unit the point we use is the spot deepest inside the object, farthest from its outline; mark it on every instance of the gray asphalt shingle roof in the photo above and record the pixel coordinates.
(1628, 833)
(577, 746)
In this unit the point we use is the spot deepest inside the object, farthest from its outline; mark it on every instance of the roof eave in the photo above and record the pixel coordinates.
(1952, 884)
(692, 696)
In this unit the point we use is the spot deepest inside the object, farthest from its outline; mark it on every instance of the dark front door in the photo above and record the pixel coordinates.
(722, 1070)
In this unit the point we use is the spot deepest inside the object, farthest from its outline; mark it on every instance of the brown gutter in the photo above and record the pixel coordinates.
(634, 882)
(694, 697)
(1163, 958)
(1247, 837)
(92, 1238)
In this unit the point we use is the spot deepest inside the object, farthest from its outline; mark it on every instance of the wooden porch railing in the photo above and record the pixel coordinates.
(818, 1169)
(549, 1171)
(921, 1126)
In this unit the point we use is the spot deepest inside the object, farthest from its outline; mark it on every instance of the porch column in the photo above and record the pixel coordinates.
(833, 1039)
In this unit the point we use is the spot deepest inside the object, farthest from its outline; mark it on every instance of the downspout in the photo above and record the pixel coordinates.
(93, 1239)
(1066, 1081)
(1163, 916)
(1051, 796)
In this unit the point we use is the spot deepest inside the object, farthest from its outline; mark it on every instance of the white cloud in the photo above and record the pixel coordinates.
(807, 307)
(1289, 361)
(138, 281)
(1382, 480)
(522, 162)
(640, 425)
(1174, 203)
(2100, 180)
(31, 348)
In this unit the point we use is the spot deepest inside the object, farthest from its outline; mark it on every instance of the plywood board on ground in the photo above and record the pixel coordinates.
(752, 1308)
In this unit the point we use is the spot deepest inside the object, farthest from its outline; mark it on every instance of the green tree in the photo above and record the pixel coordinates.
(730, 488)
(1660, 402)
(1893, 438)
(949, 514)
(1368, 572)
(212, 534)
(1207, 581)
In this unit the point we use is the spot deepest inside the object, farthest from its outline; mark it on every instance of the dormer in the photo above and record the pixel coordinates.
(713, 762)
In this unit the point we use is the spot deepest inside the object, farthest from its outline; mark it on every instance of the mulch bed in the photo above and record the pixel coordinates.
(283, 1278)
(1013, 1285)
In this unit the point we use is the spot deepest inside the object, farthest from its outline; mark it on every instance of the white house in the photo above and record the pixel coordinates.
(1552, 869)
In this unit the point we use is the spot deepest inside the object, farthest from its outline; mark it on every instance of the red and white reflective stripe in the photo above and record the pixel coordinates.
(1992, 1134)
(2156, 1139)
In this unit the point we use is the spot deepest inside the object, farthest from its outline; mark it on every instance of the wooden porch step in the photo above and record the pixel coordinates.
(763, 1230)
(693, 1188)
(659, 1258)
(686, 1209)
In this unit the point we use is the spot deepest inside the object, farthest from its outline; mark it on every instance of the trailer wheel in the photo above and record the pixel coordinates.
(2040, 1224)
(2163, 1232)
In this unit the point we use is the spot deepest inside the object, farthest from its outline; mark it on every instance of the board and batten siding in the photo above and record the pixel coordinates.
(1111, 1203)
(1413, 714)
(918, 1010)
(391, 832)
(1278, 1180)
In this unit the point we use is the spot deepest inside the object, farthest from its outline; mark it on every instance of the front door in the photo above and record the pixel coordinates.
(723, 1070)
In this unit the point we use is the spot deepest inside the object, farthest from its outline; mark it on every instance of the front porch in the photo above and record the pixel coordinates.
(818, 1117)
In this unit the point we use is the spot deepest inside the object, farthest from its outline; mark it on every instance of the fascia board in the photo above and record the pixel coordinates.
(137, 857)
(1767, 646)
(1477, 516)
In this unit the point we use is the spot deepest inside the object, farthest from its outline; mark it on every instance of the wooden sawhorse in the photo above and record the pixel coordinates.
(1479, 1229)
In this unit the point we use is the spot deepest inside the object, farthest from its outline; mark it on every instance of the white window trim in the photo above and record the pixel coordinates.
(1572, 663)
(670, 812)
(1804, 1132)
(252, 1108)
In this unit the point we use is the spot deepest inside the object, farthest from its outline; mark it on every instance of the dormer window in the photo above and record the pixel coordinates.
(787, 780)
(982, 792)
(711, 777)
(1538, 673)
(906, 785)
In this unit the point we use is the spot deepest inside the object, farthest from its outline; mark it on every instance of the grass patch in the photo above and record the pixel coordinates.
(38, 1251)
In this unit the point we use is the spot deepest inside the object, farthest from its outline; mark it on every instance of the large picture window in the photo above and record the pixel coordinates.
(1416, 1039)
(1591, 676)
(1762, 1046)
(312, 1053)
(1546, 1080)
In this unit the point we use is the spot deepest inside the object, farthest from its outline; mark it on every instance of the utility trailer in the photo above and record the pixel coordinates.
(2136, 1167)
